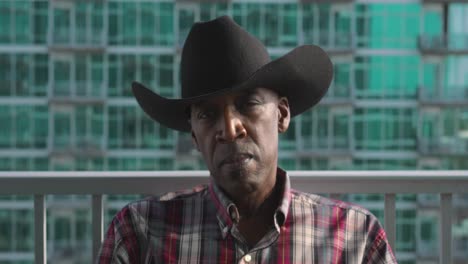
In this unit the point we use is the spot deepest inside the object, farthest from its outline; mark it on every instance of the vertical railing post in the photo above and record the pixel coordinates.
(390, 219)
(98, 223)
(40, 230)
(445, 242)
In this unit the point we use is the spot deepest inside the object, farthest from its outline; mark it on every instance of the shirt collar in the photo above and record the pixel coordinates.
(228, 214)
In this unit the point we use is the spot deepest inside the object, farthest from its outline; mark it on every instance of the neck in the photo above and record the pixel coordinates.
(256, 218)
(262, 203)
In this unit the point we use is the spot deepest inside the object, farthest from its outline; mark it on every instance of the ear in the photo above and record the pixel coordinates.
(284, 115)
(194, 141)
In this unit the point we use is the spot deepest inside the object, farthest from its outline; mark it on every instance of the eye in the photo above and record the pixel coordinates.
(249, 103)
(205, 114)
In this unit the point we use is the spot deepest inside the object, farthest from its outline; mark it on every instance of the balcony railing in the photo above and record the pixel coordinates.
(444, 44)
(445, 146)
(389, 183)
(450, 96)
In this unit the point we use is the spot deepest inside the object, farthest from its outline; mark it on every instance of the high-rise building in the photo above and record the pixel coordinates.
(399, 100)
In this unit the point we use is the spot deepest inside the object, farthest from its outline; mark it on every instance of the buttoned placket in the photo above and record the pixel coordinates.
(248, 259)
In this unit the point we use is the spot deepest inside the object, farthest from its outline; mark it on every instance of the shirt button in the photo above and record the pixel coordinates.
(247, 258)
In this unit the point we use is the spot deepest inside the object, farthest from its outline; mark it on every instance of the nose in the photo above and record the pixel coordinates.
(231, 126)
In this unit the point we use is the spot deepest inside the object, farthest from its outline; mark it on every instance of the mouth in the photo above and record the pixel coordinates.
(236, 159)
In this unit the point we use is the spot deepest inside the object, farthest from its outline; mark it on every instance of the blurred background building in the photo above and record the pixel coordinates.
(399, 101)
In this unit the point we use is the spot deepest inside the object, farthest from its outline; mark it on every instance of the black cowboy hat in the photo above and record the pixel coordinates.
(219, 57)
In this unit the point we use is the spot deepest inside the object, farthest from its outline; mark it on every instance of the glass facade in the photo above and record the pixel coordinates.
(399, 100)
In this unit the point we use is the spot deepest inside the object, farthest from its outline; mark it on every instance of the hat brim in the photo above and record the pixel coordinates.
(303, 76)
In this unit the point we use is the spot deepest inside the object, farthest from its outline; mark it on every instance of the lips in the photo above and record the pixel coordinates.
(236, 159)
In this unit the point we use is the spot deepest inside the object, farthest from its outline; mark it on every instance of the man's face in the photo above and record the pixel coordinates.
(237, 135)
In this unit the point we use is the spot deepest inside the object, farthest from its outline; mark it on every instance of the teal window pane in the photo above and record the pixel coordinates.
(62, 25)
(129, 127)
(6, 74)
(322, 127)
(6, 29)
(342, 31)
(62, 130)
(321, 164)
(166, 164)
(166, 75)
(82, 138)
(6, 165)
(400, 22)
(186, 20)
(22, 24)
(89, 127)
(81, 72)
(433, 23)
(6, 230)
(62, 78)
(129, 25)
(288, 34)
(23, 76)
(40, 21)
(149, 138)
(40, 123)
(62, 234)
(97, 23)
(129, 163)
(324, 24)
(81, 17)
(287, 163)
(271, 21)
(340, 138)
(97, 75)
(114, 137)
(83, 226)
(148, 70)
(23, 164)
(6, 133)
(148, 164)
(389, 77)
(97, 124)
(309, 24)
(166, 24)
(305, 164)
(374, 128)
(341, 82)
(40, 164)
(431, 81)
(237, 13)
(212, 10)
(129, 74)
(252, 18)
(24, 237)
(406, 230)
(41, 74)
(114, 75)
(148, 16)
(24, 129)
(306, 132)
(166, 137)
(114, 21)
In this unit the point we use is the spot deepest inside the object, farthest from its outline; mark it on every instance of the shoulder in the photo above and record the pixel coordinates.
(143, 210)
(321, 202)
(166, 200)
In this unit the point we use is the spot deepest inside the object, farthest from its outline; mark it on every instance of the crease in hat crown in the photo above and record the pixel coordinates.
(219, 54)
(219, 57)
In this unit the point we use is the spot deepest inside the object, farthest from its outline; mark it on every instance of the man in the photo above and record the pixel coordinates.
(235, 102)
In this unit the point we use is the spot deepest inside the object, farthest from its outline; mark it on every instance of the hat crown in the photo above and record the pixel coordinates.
(219, 54)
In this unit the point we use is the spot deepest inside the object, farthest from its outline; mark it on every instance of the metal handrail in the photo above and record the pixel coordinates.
(97, 183)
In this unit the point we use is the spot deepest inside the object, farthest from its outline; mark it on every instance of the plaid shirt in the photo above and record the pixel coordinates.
(199, 226)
